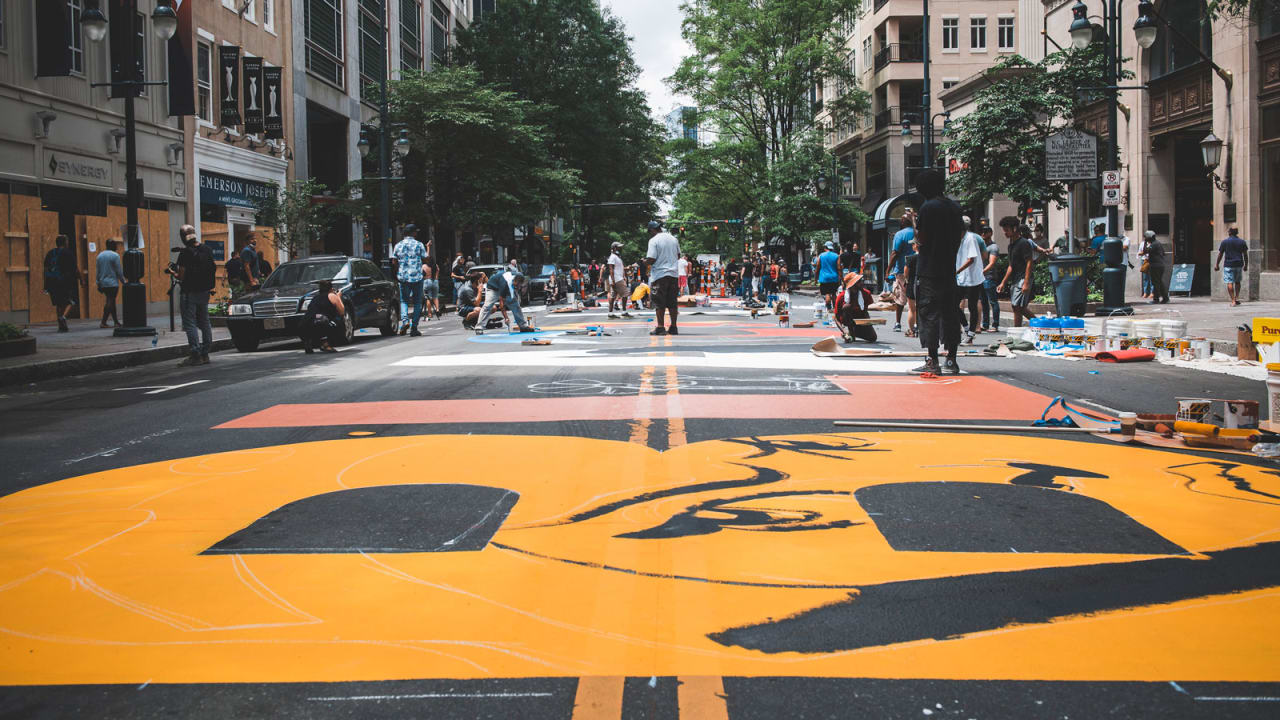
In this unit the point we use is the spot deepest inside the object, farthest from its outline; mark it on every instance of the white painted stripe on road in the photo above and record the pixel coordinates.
(431, 696)
(1237, 699)
(747, 361)
(175, 387)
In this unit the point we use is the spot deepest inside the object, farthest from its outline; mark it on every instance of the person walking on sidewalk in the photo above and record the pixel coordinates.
(196, 268)
(458, 273)
(1157, 263)
(990, 280)
(939, 232)
(1018, 275)
(250, 259)
(1236, 251)
(110, 278)
(616, 282)
(409, 255)
(430, 290)
(62, 279)
(663, 260)
(969, 277)
(829, 274)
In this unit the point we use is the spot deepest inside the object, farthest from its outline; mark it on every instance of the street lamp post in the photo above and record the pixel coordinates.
(165, 23)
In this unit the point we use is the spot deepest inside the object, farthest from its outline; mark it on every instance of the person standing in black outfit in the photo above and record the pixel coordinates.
(1157, 263)
(196, 268)
(321, 322)
(62, 278)
(939, 230)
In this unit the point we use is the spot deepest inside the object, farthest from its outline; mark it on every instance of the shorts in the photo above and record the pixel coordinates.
(61, 292)
(909, 289)
(1231, 275)
(664, 293)
(1019, 299)
(109, 292)
(684, 282)
(430, 289)
(619, 289)
(900, 292)
(828, 288)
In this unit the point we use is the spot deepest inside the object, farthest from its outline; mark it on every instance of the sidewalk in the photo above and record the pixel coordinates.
(89, 348)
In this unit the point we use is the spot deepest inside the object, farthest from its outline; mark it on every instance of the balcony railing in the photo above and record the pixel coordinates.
(899, 52)
(894, 115)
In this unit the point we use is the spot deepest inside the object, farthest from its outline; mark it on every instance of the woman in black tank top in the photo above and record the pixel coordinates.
(322, 317)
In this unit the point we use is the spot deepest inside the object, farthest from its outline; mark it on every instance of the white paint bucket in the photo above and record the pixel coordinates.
(1200, 347)
(1147, 328)
(1173, 329)
(1273, 391)
(1119, 327)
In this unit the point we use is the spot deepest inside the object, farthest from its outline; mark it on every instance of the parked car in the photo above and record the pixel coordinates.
(538, 283)
(276, 309)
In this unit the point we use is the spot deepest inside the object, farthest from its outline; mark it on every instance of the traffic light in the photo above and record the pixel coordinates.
(716, 228)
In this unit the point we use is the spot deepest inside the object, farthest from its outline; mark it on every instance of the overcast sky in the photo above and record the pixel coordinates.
(654, 28)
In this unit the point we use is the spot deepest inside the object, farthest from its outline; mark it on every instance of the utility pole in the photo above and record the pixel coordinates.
(926, 114)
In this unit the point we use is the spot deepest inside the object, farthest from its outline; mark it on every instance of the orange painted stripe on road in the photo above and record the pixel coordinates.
(967, 398)
(598, 698)
(701, 698)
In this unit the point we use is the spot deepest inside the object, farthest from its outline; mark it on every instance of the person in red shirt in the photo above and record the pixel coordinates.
(851, 305)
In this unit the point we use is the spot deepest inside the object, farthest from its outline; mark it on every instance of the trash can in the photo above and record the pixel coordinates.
(1070, 288)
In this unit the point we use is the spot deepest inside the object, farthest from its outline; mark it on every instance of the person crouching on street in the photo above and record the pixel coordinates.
(321, 322)
(851, 305)
(504, 294)
(469, 300)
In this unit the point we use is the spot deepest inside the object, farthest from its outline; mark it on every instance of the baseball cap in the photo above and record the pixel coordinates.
(410, 229)
(654, 225)
(830, 245)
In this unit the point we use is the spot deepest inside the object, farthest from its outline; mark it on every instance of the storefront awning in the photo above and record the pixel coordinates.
(891, 209)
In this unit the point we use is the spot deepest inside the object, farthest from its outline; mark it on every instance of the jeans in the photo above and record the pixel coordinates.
(992, 301)
(195, 322)
(410, 292)
(938, 309)
(1146, 284)
(972, 295)
(492, 302)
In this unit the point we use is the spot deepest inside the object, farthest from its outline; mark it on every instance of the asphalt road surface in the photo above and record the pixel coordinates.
(626, 526)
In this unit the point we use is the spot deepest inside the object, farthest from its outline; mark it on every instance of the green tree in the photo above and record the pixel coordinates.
(477, 155)
(755, 73)
(294, 216)
(572, 60)
(1001, 142)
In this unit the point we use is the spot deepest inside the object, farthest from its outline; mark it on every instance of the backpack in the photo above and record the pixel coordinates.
(51, 269)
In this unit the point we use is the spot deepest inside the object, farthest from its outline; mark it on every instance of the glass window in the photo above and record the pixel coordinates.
(948, 84)
(866, 53)
(411, 34)
(373, 52)
(3, 41)
(950, 33)
(250, 12)
(977, 33)
(269, 14)
(74, 38)
(323, 29)
(306, 272)
(439, 31)
(204, 82)
(1170, 53)
(1004, 33)
(364, 268)
(140, 50)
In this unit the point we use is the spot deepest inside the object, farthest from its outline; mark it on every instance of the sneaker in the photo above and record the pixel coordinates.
(326, 347)
(190, 361)
(897, 327)
(62, 325)
(204, 359)
(673, 330)
(968, 338)
(404, 328)
(951, 367)
(612, 316)
(928, 366)
(415, 333)
(658, 331)
(986, 328)
(627, 315)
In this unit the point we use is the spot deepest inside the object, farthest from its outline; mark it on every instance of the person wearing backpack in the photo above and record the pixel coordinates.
(61, 275)
(196, 269)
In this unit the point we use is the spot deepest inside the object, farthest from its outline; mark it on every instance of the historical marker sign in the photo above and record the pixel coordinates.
(1070, 154)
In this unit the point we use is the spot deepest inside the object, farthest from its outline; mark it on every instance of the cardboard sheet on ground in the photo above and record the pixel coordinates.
(830, 347)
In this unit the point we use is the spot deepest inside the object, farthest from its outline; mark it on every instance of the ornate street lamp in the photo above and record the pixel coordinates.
(1145, 28)
(907, 137)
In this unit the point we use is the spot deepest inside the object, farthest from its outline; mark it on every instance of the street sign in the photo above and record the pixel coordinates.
(1070, 154)
(1111, 187)
(1180, 280)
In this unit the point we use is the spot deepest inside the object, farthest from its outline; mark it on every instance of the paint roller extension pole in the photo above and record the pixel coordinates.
(942, 426)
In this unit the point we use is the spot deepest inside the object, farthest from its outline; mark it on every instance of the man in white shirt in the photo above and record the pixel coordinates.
(683, 275)
(616, 284)
(663, 258)
(969, 278)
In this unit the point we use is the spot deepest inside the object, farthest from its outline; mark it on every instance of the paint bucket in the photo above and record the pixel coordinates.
(1099, 344)
(1148, 329)
(1201, 348)
(1093, 326)
(1273, 391)
(1119, 327)
(1173, 329)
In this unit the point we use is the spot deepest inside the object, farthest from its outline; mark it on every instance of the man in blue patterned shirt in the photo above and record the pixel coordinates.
(409, 255)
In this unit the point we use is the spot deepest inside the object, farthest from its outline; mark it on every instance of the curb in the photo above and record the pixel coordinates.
(39, 371)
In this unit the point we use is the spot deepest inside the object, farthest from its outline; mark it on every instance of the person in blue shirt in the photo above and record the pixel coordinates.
(1236, 252)
(1099, 237)
(829, 274)
(902, 249)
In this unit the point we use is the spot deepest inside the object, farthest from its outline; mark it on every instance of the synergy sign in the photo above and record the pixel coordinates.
(218, 189)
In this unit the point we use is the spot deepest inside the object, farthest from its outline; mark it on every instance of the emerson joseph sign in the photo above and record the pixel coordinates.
(218, 189)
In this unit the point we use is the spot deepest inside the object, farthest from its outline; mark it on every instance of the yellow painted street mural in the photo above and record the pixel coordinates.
(895, 555)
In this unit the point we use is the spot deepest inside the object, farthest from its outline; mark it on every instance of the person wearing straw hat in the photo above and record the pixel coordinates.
(851, 306)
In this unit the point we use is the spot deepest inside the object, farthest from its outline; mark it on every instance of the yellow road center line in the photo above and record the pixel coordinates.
(644, 407)
(675, 424)
(598, 698)
(702, 697)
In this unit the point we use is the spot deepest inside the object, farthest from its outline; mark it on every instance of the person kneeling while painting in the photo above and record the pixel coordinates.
(851, 305)
(323, 313)
(503, 292)
(468, 300)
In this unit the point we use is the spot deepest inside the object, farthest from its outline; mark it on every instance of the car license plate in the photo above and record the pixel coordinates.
(273, 324)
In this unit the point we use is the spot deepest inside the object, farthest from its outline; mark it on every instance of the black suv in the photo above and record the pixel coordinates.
(276, 309)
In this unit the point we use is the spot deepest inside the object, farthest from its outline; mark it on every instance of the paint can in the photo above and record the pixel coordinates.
(1099, 344)
(1128, 424)
(1201, 347)
(1273, 391)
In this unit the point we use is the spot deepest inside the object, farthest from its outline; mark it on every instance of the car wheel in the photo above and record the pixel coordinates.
(349, 326)
(393, 320)
(245, 340)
